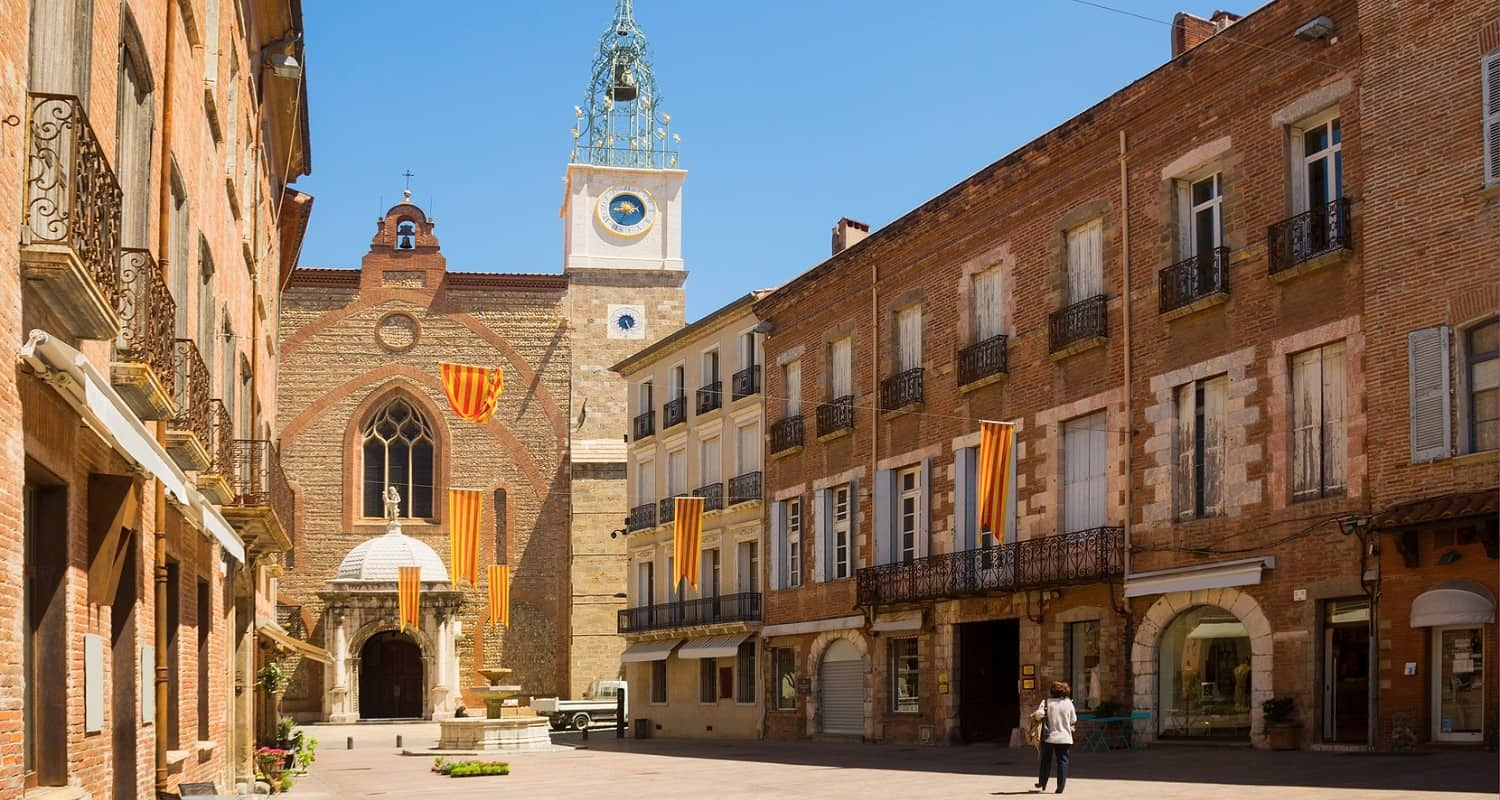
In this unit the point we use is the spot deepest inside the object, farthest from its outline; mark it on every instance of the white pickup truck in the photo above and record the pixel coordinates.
(599, 704)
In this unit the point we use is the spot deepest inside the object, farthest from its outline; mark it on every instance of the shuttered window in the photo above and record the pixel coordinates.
(987, 322)
(711, 464)
(1490, 69)
(1084, 482)
(659, 681)
(843, 510)
(791, 376)
(677, 473)
(708, 679)
(1427, 393)
(840, 376)
(645, 482)
(1318, 440)
(1199, 448)
(1085, 261)
(1482, 353)
(747, 447)
(908, 338)
(908, 508)
(793, 530)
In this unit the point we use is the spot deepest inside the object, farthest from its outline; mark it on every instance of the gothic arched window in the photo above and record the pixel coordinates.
(398, 451)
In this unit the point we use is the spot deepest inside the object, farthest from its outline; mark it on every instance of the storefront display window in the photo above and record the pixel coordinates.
(1205, 676)
(1460, 686)
(1083, 662)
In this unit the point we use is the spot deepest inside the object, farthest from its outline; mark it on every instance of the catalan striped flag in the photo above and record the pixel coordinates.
(499, 575)
(996, 449)
(472, 391)
(409, 596)
(465, 507)
(687, 539)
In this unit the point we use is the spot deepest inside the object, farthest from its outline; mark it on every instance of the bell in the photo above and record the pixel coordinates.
(623, 88)
(404, 242)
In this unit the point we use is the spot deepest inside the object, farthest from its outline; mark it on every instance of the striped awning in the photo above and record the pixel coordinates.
(649, 651)
(713, 646)
(274, 633)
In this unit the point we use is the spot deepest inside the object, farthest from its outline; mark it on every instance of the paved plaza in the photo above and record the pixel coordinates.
(659, 769)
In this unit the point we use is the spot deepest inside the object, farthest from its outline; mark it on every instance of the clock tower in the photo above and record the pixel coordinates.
(622, 255)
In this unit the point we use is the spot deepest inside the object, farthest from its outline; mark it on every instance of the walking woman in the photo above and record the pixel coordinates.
(1057, 718)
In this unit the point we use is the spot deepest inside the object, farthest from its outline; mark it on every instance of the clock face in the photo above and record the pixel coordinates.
(626, 211)
(627, 322)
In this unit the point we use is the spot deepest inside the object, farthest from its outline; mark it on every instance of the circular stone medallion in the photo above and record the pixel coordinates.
(397, 332)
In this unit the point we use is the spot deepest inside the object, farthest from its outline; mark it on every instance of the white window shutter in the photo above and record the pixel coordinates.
(822, 535)
(884, 515)
(1491, 91)
(1296, 155)
(1215, 397)
(1427, 363)
(1307, 418)
(842, 382)
(924, 510)
(778, 543)
(1185, 239)
(965, 524)
(1183, 480)
(1335, 443)
(793, 388)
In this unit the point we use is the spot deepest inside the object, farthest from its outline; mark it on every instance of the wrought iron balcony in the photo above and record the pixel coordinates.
(667, 509)
(1314, 233)
(836, 415)
(713, 496)
(674, 412)
(744, 488)
(261, 508)
(141, 369)
(215, 480)
(1078, 325)
(726, 608)
(982, 359)
(786, 433)
(901, 390)
(70, 217)
(1194, 281)
(188, 432)
(711, 397)
(745, 383)
(642, 516)
(645, 425)
(1048, 561)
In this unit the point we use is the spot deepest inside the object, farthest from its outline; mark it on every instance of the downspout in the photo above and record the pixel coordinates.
(1129, 407)
(163, 254)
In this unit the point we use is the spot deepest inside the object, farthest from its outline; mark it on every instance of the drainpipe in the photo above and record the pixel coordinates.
(163, 252)
(1129, 409)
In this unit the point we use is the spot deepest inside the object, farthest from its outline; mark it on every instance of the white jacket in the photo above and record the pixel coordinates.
(1061, 719)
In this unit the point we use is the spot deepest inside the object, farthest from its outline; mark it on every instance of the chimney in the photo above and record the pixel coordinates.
(1189, 31)
(848, 233)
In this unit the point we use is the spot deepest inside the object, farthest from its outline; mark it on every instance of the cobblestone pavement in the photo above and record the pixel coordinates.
(661, 769)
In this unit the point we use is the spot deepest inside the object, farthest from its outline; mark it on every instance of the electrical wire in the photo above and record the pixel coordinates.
(1218, 37)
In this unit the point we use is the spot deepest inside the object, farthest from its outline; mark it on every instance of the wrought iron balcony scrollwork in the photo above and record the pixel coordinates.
(1319, 231)
(644, 424)
(742, 607)
(745, 383)
(713, 496)
(674, 412)
(982, 359)
(667, 509)
(901, 390)
(148, 316)
(1080, 322)
(710, 397)
(745, 488)
(786, 433)
(221, 448)
(836, 415)
(641, 516)
(1193, 279)
(191, 390)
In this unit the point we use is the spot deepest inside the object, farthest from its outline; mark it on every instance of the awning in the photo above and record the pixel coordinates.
(649, 651)
(1453, 604)
(1219, 630)
(106, 413)
(908, 621)
(1239, 572)
(713, 647)
(1438, 508)
(276, 634)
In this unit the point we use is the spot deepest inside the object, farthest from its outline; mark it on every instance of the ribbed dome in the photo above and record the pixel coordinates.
(378, 559)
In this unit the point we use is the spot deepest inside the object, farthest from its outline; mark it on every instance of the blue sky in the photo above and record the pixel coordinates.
(793, 113)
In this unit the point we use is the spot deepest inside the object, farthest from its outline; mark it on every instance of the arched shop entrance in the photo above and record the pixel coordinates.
(1204, 676)
(390, 677)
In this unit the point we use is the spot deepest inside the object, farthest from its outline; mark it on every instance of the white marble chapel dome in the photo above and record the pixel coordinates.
(379, 559)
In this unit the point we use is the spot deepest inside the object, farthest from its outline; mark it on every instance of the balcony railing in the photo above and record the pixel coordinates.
(711, 397)
(982, 359)
(746, 382)
(901, 390)
(674, 412)
(642, 516)
(221, 447)
(1048, 561)
(148, 322)
(836, 415)
(744, 488)
(70, 216)
(743, 607)
(645, 425)
(258, 480)
(1079, 323)
(1316, 232)
(667, 509)
(786, 433)
(713, 496)
(188, 432)
(1193, 279)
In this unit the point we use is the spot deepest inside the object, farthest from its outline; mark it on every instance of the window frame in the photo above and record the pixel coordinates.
(1077, 273)
(658, 682)
(987, 307)
(908, 329)
(896, 652)
(909, 549)
(708, 681)
(368, 434)
(791, 387)
(840, 366)
(794, 542)
(1193, 479)
(745, 673)
(1471, 359)
(783, 667)
(1328, 485)
(839, 530)
(1214, 205)
(1302, 200)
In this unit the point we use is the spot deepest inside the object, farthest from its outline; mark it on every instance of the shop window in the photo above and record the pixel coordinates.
(904, 674)
(1204, 675)
(1082, 642)
(659, 681)
(708, 669)
(745, 663)
(784, 660)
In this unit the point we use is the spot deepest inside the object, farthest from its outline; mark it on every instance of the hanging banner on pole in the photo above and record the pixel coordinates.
(687, 538)
(409, 596)
(996, 450)
(472, 391)
(465, 507)
(499, 578)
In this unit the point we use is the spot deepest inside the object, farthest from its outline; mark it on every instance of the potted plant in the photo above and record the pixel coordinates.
(1278, 719)
(272, 764)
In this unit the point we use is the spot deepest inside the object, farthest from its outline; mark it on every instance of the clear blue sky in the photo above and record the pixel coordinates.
(792, 113)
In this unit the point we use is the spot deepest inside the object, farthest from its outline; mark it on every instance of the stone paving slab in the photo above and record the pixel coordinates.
(661, 769)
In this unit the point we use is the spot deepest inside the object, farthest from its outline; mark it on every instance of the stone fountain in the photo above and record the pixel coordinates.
(506, 724)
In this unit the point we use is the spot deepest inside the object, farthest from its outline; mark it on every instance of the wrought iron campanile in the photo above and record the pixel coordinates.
(621, 123)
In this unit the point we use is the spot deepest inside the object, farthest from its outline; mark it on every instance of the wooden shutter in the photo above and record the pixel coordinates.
(987, 304)
(1307, 416)
(1184, 483)
(778, 544)
(676, 472)
(842, 383)
(924, 510)
(909, 338)
(1334, 442)
(1427, 366)
(792, 377)
(1297, 156)
(965, 509)
(1084, 443)
(1491, 99)
(822, 535)
(748, 449)
(1215, 396)
(1186, 242)
(1085, 262)
(645, 482)
(884, 515)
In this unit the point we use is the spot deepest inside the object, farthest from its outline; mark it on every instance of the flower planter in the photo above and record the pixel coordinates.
(1284, 735)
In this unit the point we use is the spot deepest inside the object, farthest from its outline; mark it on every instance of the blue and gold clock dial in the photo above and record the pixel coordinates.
(627, 322)
(626, 211)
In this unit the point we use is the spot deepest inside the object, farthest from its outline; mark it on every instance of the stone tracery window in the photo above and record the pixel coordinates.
(398, 451)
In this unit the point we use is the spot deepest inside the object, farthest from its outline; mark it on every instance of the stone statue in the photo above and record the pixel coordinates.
(392, 503)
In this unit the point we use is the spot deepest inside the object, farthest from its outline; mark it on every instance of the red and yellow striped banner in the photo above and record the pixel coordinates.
(465, 509)
(472, 391)
(687, 539)
(996, 449)
(409, 596)
(499, 576)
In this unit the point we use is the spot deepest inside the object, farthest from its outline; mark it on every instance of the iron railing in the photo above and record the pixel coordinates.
(667, 509)
(72, 197)
(742, 607)
(1193, 279)
(1080, 322)
(786, 433)
(645, 425)
(191, 390)
(744, 383)
(713, 496)
(642, 516)
(836, 415)
(1048, 561)
(744, 488)
(258, 480)
(221, 448)
(674, 412)
(1318, 231)
(901, 390)
(710, 397)
(982, 359)
(630, 157)
(148, 316)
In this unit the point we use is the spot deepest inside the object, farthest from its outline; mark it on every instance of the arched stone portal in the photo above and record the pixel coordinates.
(390, 677)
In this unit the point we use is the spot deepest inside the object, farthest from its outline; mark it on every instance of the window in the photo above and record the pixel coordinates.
(840, 369)
(206, 320)
(1085, 262)
(1318, 444)
(1322, 164)
(1482, 376)
(747, 451)
(908, 338)
(677, 472)
(745, 666)
(909, 484)
(1490, 93)
(966, 503)
(1084, 442)
(987, 311)
(205, 626)
(1082, 642)
(711, 462)
(659, 682)
(709, 576)
(645, 482)
(793, 543)
(1199, 447)
(645, 583)
(749, 350)
(784, 662)
(398, 451)
(748, 567)
(904, 672)
(1202, 205)
(678, 378)
(134, 141)
(791, 387)
(711, 367)
(211, 41)
(841, 515)
(643, 394)
(178, 223)
(61, 44)
(708, 677)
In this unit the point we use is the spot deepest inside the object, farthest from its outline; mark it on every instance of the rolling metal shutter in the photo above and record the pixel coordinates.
(842, 697)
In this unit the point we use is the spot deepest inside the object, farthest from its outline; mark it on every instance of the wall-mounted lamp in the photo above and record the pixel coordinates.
(1317, 28)
(618, 532)
(280, 57)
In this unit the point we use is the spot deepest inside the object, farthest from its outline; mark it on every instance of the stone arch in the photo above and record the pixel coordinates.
(815, 653)
(382, 624)
(1145, 652)
(376, 399)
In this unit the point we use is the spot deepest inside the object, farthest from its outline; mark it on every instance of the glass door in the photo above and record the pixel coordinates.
(1458, 691)
(1346, 670)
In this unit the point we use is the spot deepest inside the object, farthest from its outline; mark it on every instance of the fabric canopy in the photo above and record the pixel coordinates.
(649, 651)
(713, 647)
(277, 635)
(1453, 605)
(1219, 630)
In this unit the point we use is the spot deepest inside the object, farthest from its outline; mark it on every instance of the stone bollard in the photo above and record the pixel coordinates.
(349, 743)
(398, 740)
